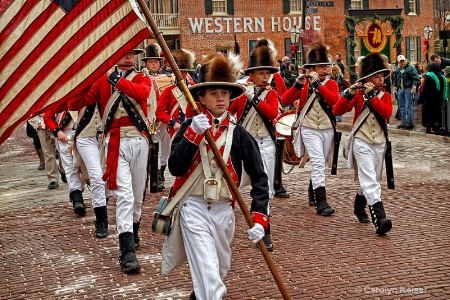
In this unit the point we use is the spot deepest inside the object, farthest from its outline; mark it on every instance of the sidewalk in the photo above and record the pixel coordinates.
(47, 252)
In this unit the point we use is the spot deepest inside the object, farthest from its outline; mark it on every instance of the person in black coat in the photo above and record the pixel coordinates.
(432, 97)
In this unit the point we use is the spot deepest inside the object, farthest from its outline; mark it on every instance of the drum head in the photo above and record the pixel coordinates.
(284, 123)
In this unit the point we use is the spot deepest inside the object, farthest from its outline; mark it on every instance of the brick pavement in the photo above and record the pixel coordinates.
(47, 252)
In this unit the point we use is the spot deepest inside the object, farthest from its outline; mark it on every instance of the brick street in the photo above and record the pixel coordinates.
(47, 252)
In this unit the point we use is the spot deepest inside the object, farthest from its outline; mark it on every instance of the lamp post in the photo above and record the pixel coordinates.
(427, 34)
(296, 35)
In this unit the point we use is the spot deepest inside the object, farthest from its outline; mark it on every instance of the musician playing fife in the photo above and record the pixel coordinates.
(316, 122)
(373, 106)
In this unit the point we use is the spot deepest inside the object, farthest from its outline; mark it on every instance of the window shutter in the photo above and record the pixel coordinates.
(419, 49)
(347, 5)
(417, 6)
(407, 41)
(365, 4)
(230, 7)
(286, 6)
(406, 9)
(208, 7)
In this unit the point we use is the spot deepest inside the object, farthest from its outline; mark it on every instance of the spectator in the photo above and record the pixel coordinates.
(419, 68)
(405, 80)
(340, 63)
(442, 61)
(432, 97)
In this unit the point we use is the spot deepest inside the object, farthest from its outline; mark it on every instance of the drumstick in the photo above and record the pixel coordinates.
(278, 122)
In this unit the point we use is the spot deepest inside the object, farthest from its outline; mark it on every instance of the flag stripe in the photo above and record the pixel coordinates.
(48, 75)
(60, 54)
(33, 70)
(13, 16)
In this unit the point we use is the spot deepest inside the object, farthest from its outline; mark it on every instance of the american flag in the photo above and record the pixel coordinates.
(51, 51)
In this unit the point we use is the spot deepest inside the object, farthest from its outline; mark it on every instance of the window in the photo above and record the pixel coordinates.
(219, 7)
(296, 6)
(413, 49)
(357, 47)
(412, 7)
(357, 4)
(223, 50)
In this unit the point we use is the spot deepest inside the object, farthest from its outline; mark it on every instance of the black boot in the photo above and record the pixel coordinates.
(136, 227)
(76, 197)
(268, 240)
(360, 209)
(280, 191)
(312, 201)
(379, 219)
(101, 221)
(322, 206)
(192, 296)
(128, 259)
(161, 178)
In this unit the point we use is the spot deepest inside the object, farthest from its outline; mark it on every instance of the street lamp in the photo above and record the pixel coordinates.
(297, 39)
(427, 34)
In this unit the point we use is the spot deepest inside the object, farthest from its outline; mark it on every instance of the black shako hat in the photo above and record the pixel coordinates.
(219, 72)
(317, 55)
(262, 57)
(372, 64)
(152, 51)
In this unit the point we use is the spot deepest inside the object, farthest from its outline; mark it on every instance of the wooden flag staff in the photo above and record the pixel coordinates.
(215, 150)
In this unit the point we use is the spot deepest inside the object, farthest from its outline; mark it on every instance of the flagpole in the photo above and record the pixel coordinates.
(215, 150)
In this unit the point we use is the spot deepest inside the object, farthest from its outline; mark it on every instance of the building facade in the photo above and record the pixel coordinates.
(208, 26)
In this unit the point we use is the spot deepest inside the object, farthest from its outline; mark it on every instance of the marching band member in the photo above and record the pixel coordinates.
(316, 123)
(277, 83)
(123, 93)
(373, 106)
(168, 111)
(256, 110)
(208, 222)
(153, 61)
(86, 146)
(61, 126)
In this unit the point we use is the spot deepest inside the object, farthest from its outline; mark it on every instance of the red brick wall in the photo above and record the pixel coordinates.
(331, 24)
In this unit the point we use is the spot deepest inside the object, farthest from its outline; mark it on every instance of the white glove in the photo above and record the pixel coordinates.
(353, 88)
(313, 76)
(250, 92)
(256, 233)
(301, 79)
(413, 89)
(200, 124)
(368, 86)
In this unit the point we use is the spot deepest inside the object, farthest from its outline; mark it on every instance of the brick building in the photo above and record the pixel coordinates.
(206, 26)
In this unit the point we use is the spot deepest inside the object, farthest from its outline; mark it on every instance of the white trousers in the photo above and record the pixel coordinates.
(208, 230)
(88, 149)
(369, 159)
(267, 150)
(73, 175)
(318, 145)
(131, 177)
(163, 137)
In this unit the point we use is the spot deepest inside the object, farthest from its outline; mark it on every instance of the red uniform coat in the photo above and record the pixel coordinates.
(382, 106)
(166, 103)
(268, 107)
(329, 92)
(101, 91)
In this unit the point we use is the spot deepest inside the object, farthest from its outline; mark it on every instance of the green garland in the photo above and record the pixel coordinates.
(397, 23)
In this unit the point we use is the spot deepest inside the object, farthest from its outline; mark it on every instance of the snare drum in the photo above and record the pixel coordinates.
(283, 127)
